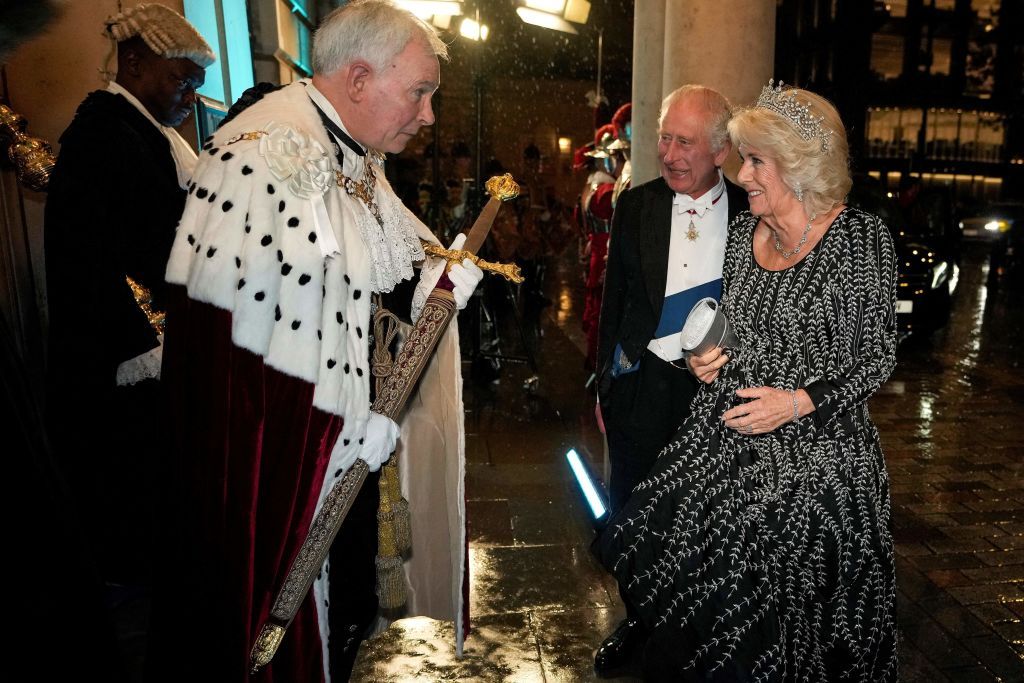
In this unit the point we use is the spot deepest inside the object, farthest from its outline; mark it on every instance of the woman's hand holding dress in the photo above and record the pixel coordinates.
(766, 410)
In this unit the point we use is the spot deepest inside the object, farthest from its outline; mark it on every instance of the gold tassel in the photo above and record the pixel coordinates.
(402, 524)
(390, 578)
(385, 525)
(391, 590)
(393, 533)
(399, 506)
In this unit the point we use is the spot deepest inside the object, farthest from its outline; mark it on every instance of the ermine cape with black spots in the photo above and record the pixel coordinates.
(267, 363)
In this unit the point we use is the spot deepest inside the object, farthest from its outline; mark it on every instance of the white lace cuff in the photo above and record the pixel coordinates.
(142, 367)
(430, 273)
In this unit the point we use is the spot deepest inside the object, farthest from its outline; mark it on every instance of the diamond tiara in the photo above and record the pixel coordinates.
(807, 125)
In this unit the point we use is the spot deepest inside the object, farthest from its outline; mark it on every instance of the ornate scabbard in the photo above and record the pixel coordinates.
(415, 353)
(307, 563)
(391, 398)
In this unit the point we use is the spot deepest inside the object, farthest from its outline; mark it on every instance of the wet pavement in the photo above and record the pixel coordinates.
(538, 600)
(950, 417)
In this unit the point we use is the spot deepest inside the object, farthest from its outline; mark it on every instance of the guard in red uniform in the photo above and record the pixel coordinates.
(596, 203)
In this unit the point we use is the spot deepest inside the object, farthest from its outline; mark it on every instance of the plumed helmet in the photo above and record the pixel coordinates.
(622, 116)
(603, 138)
(581, 155)
(623, 122)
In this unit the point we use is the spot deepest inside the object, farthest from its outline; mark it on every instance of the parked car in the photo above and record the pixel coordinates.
(926, 252)
(991, 222)
(1002, 225)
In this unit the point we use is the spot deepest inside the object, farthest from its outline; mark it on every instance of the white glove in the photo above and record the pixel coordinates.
(465, 276)
(379, 442)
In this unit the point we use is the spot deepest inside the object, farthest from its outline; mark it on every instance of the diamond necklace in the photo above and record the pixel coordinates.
(803, 240)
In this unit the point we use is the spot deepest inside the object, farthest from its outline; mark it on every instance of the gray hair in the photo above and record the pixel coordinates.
(717, 106)
(371, 30)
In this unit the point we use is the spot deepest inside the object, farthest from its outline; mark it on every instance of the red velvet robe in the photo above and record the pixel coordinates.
(265, 480)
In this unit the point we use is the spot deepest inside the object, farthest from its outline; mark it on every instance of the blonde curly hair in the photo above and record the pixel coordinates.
(823, 175)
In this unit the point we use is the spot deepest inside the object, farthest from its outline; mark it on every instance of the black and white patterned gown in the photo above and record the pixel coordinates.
(770, 557)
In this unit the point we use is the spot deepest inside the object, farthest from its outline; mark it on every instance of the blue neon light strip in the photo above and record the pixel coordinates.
(597, 506)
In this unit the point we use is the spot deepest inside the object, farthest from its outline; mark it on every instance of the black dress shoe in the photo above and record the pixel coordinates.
(620, 652)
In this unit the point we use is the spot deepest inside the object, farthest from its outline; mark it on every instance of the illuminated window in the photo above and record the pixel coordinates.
(969, 136)
(896, 8)
(893, 133)
(295, 39)
(987, 10)
(991, 137)
(941, 135)
(981, 48)
(225, 26)
(982, 136)
(880, 125)
(887, 55)
(951, 134)
(941, 52)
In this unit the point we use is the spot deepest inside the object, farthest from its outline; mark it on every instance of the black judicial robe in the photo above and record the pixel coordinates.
(112, 208)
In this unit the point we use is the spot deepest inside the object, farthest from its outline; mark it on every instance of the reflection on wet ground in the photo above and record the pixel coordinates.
(950, 419)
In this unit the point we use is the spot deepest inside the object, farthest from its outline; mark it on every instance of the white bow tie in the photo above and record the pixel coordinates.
(685, 203)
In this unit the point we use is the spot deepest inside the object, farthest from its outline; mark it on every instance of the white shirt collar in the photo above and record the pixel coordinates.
(118, 89)
(705, 202)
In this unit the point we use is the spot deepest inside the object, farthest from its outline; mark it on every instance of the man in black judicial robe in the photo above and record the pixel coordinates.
(115, 197)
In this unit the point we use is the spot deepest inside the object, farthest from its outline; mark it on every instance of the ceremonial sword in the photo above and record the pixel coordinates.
(390, 401)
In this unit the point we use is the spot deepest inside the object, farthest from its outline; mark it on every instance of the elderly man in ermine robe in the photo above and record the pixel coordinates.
(290, 240)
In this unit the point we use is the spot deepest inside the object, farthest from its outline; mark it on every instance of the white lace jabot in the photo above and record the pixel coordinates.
(394, 246)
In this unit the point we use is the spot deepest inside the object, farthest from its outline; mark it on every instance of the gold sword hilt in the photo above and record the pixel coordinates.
(509, 271)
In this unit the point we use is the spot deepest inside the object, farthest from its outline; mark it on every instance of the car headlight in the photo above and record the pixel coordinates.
(997, 225)
(939, 273)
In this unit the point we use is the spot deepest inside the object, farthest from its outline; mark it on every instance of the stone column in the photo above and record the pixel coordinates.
(728, 45)
(648, 56)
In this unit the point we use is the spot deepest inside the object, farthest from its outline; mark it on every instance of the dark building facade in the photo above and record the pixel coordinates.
(928, 88)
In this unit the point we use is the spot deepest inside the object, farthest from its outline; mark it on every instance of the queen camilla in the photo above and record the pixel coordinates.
(759, 546)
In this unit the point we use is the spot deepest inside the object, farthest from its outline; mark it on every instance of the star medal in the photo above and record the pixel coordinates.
(692, 233)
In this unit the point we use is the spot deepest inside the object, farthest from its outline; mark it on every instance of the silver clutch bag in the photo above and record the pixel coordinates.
(706, 328)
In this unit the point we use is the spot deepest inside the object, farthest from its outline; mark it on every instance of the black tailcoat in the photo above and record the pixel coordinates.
(642, 408)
